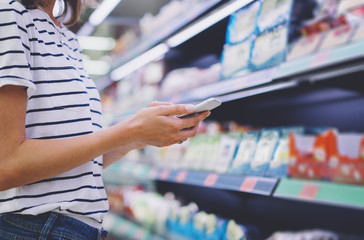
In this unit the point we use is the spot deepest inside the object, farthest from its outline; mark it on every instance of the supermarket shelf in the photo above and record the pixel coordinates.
(150, 41)
(266, 80)
(328, 193)
(143, 172)
(324, 58)
(226, 86)
(125, 229)
(249, 184)
(126, 173)
(342, 195)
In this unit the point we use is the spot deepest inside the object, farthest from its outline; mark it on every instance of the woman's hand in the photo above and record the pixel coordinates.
(158, 126)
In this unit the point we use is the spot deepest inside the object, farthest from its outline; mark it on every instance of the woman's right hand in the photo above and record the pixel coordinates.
(158, 126)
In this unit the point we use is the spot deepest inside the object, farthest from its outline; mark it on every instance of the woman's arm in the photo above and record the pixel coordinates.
(24, 161)
(117, 154)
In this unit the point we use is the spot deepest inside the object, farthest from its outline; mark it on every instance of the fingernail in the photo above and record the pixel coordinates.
(189, 107)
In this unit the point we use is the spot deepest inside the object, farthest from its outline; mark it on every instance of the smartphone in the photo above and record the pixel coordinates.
(206, 105)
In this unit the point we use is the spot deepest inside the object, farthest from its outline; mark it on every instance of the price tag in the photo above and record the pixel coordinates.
(211, 179)
(181, 176)
(165, 174)
(309, 191)
(153, 173)
(321, 58)
(248, 184)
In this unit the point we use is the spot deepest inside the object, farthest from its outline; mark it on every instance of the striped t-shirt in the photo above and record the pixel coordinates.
(62, 103)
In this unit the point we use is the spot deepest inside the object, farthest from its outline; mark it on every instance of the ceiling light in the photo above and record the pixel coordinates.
(96, 67)
(206, 22)
(151, 55)
(102, 11)
(96, 43)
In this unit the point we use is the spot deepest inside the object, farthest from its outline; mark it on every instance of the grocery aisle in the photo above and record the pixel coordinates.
(281, 158)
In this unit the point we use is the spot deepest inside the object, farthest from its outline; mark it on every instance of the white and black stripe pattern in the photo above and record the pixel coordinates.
(63, 102)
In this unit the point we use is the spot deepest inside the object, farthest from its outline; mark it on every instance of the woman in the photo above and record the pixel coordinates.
(52, 145)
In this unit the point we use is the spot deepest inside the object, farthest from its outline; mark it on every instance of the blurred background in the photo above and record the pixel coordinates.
(282, 158)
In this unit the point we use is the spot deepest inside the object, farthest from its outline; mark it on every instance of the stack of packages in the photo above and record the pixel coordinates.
(324, 24)
(256, 37)
(269, 32)
(331, 155)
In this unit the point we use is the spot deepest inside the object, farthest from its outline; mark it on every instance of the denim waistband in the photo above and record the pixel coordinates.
(49, 225)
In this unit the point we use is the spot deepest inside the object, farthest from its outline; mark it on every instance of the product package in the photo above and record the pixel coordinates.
(194, 154)
(309, 42)
(215, 227)
(269, 48)
(228, 146)
(212, 151)
(234, 231)
(245, 154)
(346, 158)
(180, 222)
(208, 226)
(359, 32)
(243, 24)
(308, 155)
(357, 16)
(307, 235)
(172, 222)
(279, 164)
(273, 13)
(339, 34)
(264, 153)
(325, 9)
(309, 23)
(235, 59)
(348, 5)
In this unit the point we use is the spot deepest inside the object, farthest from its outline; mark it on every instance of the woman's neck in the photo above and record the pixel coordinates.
(47, 7)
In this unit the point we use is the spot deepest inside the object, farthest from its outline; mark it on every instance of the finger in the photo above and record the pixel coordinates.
(193, 121)
(188, 133)
(174, 109)
(157, 103)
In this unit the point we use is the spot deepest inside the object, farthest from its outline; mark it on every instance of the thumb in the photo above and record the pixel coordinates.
(175, 109)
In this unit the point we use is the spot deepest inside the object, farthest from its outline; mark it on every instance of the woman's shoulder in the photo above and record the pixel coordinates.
(12, 10)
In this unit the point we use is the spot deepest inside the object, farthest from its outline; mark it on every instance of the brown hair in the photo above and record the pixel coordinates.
(73, 9)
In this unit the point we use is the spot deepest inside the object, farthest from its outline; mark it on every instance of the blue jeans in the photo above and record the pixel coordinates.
(47, 226)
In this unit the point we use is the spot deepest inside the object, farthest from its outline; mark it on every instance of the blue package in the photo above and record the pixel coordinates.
(245, 153)
(208, 226)
(235, 231)
(243, 23)
(279, 164)
(264, 153)
(215, 227)
(235, 59)
(273, 13)
(269, 48)
(198, 225)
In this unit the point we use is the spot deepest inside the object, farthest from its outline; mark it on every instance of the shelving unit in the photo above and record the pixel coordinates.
(144, 173)
(125, 229)
(321, 192)
(341, 195)
(323, 65)
(146, 43)
(323, 89)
